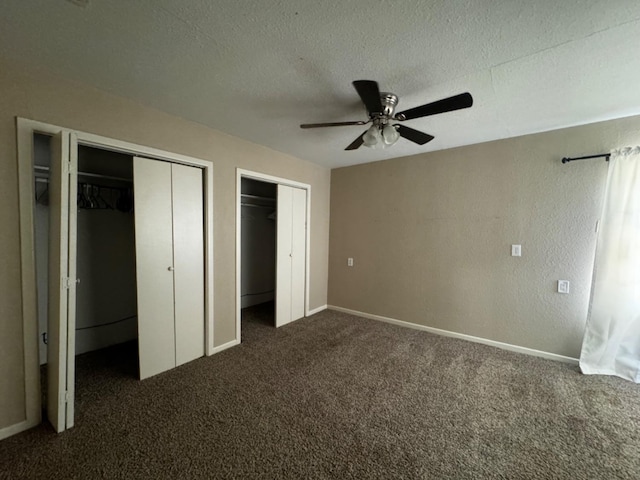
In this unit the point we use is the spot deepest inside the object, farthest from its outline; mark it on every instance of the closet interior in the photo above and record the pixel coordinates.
(258, 243)
(118, 294)
(106, 300)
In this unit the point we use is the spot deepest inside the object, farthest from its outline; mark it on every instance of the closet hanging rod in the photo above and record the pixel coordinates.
(599, 155)
(87, 174)
(257, 197)
(257, 206)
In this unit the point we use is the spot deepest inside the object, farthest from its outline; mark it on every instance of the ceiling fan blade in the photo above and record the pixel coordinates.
(356, 143)
(415, 136)
(331, 124)
(370, 95)
(457, 102)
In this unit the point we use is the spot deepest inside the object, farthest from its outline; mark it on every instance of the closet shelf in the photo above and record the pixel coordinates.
(257, 197)
(87, 174)
(254, 205)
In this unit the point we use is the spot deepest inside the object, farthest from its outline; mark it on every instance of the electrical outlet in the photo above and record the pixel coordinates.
(563, 286)
(349, 262)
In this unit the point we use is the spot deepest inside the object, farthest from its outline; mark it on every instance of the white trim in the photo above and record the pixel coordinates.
(263, 177)
(225, 346)
(316, 310)
(18, 427)
(308, 253)
(209, 260)
(98, 141)
(33, 408)
(461, 336)
(24, 132)
(238, 255)
(242, 173)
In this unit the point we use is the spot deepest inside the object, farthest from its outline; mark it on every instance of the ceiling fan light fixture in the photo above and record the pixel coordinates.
(372, 137)
(390, 135)
(381, 108)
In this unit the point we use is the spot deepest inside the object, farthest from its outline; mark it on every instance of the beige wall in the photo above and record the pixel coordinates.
(431, 236)
(41, 96)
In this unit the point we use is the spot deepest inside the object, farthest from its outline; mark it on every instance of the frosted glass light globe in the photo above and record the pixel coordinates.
(372, 137)
(390, 135)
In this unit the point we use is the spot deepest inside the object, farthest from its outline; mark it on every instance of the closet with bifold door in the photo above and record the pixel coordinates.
(273, 250)
(121, 263)
(169, 264)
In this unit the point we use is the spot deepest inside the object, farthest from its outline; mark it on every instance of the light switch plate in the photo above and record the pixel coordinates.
(563, 286)
(349, 262)
(516, 250)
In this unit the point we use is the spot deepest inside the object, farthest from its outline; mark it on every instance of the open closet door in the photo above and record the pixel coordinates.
(298, 249)
(154, 265)
(283, 255)
(290, 254)
(188, 261)
(169, 221)
(72, 284)
(60, 282)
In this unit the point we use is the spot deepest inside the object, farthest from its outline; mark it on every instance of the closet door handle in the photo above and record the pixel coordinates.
(170, 269)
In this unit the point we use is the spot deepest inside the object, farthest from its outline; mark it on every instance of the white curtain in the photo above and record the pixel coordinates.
(611, 344)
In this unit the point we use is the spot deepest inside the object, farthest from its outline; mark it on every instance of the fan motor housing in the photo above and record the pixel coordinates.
(389, 102)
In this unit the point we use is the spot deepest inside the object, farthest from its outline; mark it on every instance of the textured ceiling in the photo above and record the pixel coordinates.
(256, 69)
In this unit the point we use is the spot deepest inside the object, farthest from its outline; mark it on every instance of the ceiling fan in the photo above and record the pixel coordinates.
(381, 109)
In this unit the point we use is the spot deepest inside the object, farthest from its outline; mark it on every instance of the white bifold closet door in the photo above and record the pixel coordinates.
(169, 264)
(62, 284)
(188, 261)
(290, 254)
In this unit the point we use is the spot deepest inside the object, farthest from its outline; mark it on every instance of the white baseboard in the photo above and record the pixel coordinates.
(462, 336)
(224, 346)
(316, 310)
(17, 428)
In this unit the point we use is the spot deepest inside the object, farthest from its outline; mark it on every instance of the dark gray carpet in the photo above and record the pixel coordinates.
(336, 396)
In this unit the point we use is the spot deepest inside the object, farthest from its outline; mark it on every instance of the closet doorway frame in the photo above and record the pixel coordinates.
(263, 177)
(25, 131)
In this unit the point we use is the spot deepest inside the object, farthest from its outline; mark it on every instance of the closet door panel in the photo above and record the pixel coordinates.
(154, 265)
(73, 279)
(58, 271)
(188, 262)
(283, 255)
(298, 243)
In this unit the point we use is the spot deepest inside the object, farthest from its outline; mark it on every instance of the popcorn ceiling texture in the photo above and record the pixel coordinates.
(258, 69)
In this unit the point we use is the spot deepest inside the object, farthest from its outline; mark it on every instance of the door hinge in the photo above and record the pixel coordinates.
(67, 397)
(68, 282)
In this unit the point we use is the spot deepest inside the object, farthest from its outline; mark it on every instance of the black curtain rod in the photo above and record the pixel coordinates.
(606, 155)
